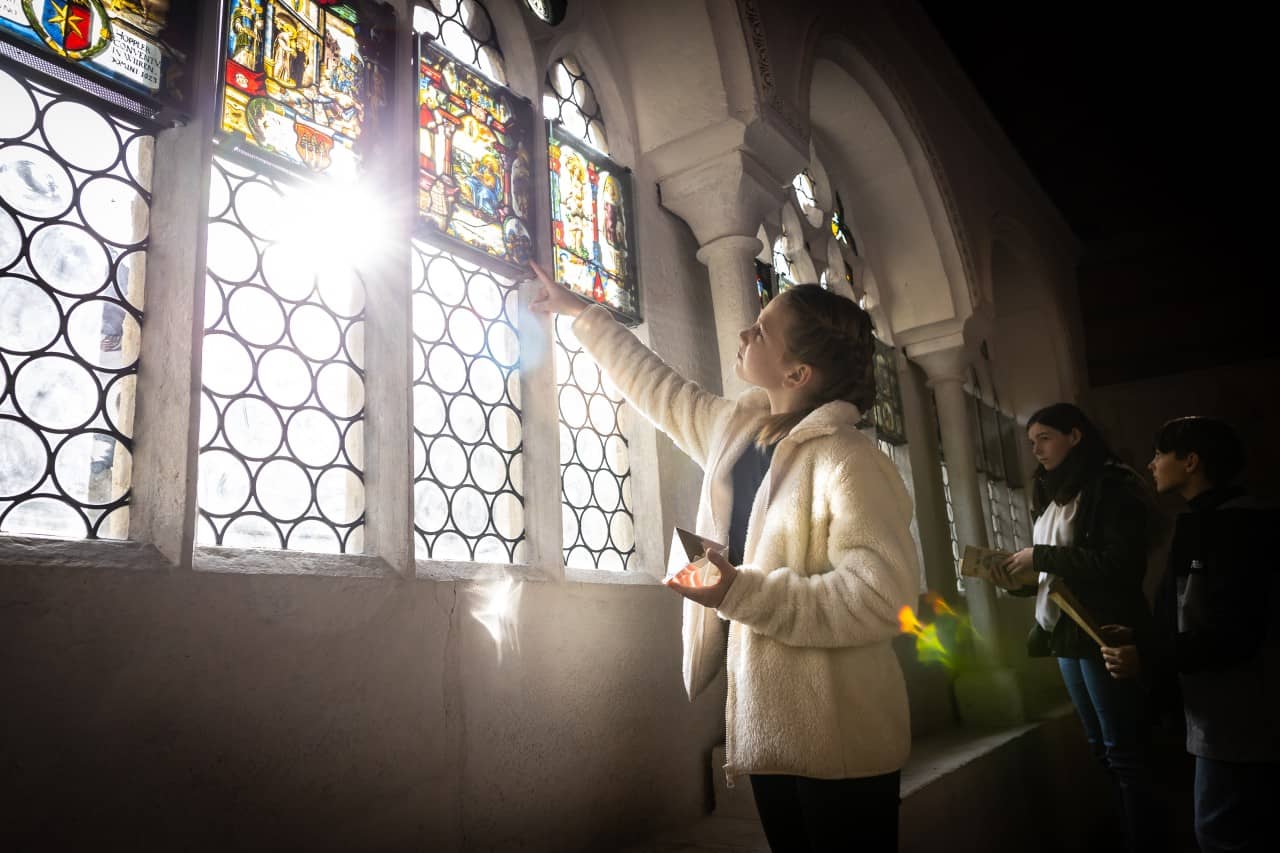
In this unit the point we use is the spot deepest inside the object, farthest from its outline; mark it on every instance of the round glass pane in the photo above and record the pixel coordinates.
(80, 136)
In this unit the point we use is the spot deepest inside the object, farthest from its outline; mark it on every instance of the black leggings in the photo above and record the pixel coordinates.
(803, 815)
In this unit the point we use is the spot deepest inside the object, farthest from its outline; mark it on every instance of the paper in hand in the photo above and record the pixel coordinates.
(699, 571)
(978, 562)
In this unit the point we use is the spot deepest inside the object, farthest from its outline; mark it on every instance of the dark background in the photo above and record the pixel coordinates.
(1145, 129)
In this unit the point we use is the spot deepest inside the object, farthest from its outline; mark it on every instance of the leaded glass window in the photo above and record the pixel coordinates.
(304, 82)
(590, 213)
(548, 11)
(951, 517)
(468, 452)
(886, 413)
(781, 264)
(571, 101)
(595, 468)
(802, 184)
(75, 186)
(465, 30)
(282, 410)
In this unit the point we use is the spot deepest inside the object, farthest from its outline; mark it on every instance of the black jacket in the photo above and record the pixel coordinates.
(1215, 627)
(1104, 566)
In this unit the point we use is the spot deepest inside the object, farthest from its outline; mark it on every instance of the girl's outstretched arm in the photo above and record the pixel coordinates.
(690, 415)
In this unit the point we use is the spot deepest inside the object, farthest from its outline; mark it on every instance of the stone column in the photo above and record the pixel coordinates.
(989, 695)
(730, 260)
(724, 199)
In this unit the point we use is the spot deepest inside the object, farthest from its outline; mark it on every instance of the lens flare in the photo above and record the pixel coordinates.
(499, 600)
(948, 640)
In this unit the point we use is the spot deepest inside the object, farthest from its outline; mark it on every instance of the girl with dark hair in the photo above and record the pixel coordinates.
(820, 561)
(1092, 531)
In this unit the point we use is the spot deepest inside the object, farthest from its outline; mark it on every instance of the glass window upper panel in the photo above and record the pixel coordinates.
(304, 83)
(465, 30)
(571, 101)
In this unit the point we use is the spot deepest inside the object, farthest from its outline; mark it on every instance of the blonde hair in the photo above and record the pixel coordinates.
(832, 335)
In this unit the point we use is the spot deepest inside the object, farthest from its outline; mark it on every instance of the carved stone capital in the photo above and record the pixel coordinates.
(944, 364)
(726, 195)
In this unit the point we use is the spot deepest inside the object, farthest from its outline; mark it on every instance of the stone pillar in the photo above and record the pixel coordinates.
(988, 695)
(730, 261)
(724, 199)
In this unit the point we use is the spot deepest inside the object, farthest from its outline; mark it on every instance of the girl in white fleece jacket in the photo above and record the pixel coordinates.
(820, 561)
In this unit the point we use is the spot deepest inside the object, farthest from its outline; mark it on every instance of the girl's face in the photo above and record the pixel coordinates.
(762, 352)
(1051, 446)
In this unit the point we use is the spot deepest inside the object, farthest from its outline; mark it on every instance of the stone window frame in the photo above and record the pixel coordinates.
(164, 506)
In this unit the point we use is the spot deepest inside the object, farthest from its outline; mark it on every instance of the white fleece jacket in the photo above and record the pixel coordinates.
(814, 688)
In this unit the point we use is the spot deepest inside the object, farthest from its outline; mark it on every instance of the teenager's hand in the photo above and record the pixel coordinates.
(553, 298)
(1122, 661)
(686, 583)
(1016, 571)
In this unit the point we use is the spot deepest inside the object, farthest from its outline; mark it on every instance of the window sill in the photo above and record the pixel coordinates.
(250, 561)
(594, 576)
(116, 554)
(47, 551)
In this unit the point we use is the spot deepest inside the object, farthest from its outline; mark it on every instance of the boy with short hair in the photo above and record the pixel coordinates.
(1214, 626)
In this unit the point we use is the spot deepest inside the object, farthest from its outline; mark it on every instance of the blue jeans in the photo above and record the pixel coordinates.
(1111, 711)
(1235, 802)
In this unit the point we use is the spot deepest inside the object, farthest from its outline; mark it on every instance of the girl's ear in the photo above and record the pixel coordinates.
(799, 376)
(1075, 436)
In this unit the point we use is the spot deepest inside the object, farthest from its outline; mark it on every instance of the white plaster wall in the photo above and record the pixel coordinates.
(230, 711)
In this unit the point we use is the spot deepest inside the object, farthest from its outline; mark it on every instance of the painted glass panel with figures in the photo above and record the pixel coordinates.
(304, 82)
(474, 182)
(590, 196)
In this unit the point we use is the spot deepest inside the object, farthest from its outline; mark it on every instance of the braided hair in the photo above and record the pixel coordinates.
(832, 335)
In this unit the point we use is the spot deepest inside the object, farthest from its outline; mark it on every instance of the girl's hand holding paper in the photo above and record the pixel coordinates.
(707, 591)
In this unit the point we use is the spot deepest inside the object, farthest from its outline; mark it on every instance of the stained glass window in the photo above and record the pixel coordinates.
(549, 11)
(74, 222)
(475, 187)
(282, 409)
(591, 224)
(304, 83)
(840, 226)
(592, 247)
(468, 455)
(136, 46)
(886, 412)
(764, 282)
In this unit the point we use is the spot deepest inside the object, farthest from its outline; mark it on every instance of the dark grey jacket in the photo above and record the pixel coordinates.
(1217, 627)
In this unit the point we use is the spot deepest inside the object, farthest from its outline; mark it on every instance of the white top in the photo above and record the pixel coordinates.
(1052, 528)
